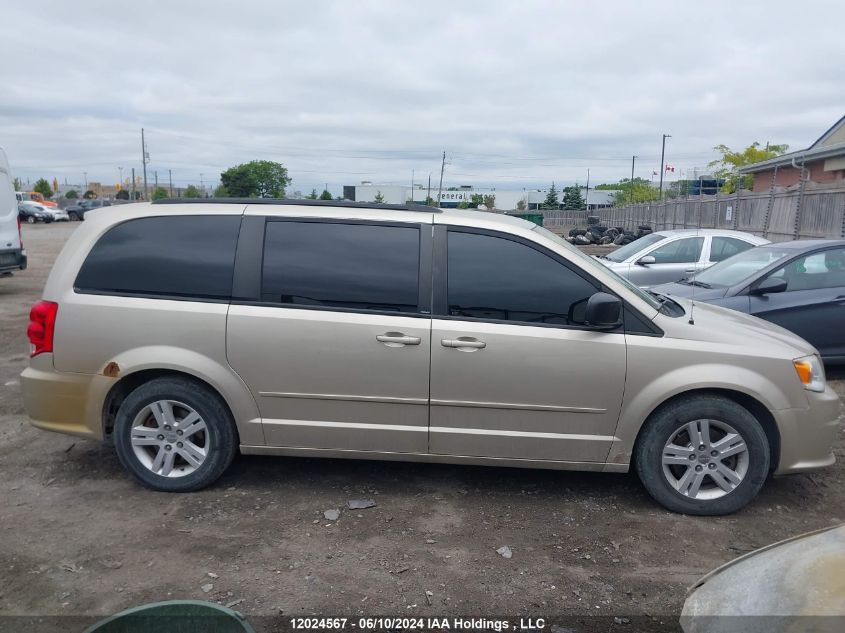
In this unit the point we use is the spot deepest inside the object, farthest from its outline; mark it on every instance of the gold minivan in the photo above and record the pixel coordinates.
(186, 331)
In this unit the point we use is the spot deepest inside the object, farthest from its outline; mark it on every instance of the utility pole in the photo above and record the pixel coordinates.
(120, 169)
(170, 177)
(202, 186)
(155, 177)
(633, 162)
(587, 195)
(440, 188)
(84, 175)
(144, 158)
(133, 184)
(428, 195)
(662, 164)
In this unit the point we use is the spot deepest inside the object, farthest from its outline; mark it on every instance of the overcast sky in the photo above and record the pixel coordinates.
(517, 93)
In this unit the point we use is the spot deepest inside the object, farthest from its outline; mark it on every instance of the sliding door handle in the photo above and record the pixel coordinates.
(463, 343)
(397, 339)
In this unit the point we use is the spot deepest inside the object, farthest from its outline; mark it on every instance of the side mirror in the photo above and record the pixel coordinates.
(604, 311)
(645, 260)
(768, 286)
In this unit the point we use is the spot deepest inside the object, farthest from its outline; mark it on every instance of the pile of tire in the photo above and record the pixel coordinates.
(593, 234)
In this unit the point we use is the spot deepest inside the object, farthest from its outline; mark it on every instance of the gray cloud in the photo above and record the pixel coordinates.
(517, 93)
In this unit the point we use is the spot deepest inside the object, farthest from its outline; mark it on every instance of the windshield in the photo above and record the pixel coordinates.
(623, 253)
(590, 262)
(741, 266)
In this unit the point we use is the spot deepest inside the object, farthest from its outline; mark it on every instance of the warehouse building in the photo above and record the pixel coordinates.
(506, 199)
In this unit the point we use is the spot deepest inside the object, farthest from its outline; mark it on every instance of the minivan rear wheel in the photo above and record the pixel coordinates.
(702, 455)
(174, 435)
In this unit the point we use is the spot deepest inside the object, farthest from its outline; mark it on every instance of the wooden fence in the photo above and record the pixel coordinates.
(808, 211)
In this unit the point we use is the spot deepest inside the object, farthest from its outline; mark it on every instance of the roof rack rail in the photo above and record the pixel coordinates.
(307, 203)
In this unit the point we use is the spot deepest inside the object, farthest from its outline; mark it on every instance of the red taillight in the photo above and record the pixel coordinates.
(42, 322)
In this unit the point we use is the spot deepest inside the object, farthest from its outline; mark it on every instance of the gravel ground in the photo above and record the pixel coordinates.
(77, 537)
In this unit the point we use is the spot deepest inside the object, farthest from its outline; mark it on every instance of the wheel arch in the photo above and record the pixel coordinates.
(129, 382)
(754, 406)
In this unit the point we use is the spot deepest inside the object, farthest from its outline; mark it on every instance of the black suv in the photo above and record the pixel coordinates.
(78, 211)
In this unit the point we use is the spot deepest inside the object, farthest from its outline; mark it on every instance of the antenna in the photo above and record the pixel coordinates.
(695, 266)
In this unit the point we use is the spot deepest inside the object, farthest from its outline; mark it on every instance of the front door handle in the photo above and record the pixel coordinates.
(397, 339)
(463, 343)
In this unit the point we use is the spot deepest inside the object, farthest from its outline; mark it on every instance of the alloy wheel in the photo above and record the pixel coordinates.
(705, 459)
(170, 438)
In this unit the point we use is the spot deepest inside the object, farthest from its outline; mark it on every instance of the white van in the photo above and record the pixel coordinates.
(12, 252)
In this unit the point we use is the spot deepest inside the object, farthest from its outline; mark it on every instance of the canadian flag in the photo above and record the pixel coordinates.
(670, 168)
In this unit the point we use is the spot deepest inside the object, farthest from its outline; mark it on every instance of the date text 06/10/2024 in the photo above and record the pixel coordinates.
(417, 624)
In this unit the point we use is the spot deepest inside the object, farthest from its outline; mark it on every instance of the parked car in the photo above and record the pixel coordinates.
(798, 285)
(31, 212)
(12, 251)
(667, 256)
(58, 215)
(78, 211)
(188, 331)
(794, 585)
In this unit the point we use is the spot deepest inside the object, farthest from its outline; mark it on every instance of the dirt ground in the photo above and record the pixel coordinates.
(77, 537)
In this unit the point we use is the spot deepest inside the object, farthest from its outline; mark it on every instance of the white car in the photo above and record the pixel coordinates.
(667, 256)
(59, 215)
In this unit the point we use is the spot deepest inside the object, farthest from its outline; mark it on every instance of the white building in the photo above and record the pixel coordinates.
(506, 199)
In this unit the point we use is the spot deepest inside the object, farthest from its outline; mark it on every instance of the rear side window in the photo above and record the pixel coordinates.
(724, 247)
(335, 265)
(180, 256)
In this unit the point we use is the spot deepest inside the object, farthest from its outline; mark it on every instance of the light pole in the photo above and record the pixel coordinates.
(662, 164)
(120, 169)
(633, 161)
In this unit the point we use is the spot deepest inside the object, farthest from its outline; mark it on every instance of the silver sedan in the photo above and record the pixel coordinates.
(668, 256)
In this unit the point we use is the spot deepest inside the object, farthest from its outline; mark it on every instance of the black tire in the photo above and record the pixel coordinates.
(73, 217)
(664, 424)
(593, 219)
(30, 220)
(221, 441)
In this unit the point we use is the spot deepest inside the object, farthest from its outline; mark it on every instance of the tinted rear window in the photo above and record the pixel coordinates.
(334, 265)
(181, 256)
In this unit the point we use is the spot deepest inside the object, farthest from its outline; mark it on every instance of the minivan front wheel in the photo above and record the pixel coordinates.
(174, 435)
(703, 455)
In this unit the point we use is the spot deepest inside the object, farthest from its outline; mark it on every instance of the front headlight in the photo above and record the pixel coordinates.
(810, 372)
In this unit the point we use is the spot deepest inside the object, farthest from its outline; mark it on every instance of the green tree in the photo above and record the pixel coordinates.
(326, 195)
(123, 194)
(256, 179)
(192, 192)
(221, 192)
(726, 167)
(551, 201)
(43, 187)
(476, 200)
(379, 199)
(160, 193)
(17, 184)
(429, 202)
(638, 191)
(73, 194)
(572, 198)
(463, 204)
(490, 201)
(89, 195)
(521, 205)
(312, 195)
